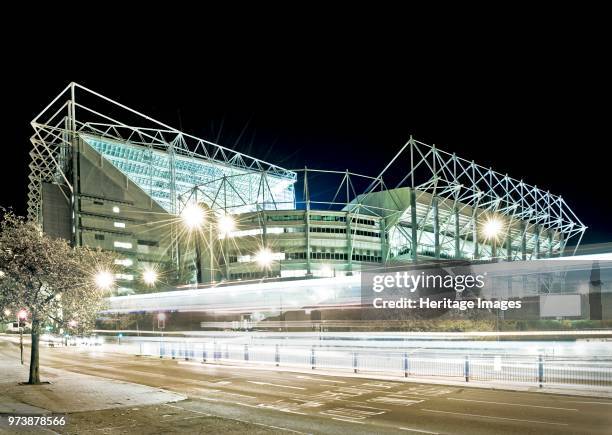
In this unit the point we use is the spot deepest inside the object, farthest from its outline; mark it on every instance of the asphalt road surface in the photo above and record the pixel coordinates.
(281, 401)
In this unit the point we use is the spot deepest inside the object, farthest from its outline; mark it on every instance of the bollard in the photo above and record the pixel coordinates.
(277, 355)
(540, 370)
(466, 369)
(246, 352)
(313, 361)
(204, 353)
(406, 365)
(354, 362)
(186, 352)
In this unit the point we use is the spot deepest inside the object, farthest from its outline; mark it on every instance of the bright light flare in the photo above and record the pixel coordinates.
(326, 270)
(149, 276)
(161, 316)
(22, 314)
(7, 312)
(104, 280)
(264, 257)
(192, 216)
(226, 224)
(492, 228)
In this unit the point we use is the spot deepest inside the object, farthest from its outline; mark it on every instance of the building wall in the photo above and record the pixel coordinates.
(116, 215)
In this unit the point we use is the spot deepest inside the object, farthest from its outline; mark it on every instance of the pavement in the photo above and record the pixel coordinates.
(226, 399)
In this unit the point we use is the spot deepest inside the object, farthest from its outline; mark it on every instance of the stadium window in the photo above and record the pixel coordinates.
(125, 245)
(119, 224)
(127, 262)
(148, 243)
(98, 202)
(99, 236)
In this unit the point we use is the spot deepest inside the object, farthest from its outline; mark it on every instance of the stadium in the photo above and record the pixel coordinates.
(191, 220)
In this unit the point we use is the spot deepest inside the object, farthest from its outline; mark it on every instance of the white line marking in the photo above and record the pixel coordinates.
(239, 395)
(512, 404)
(590, 403)
(348, 421)
(496, 418)
(276, 385)
(418, 430)
(319, 379)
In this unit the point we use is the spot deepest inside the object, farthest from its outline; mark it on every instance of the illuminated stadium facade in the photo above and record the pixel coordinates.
(196, 212)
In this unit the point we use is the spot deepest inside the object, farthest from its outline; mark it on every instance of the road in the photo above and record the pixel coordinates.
(281, 401)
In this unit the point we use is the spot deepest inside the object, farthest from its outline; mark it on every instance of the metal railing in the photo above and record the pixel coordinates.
(539, 370)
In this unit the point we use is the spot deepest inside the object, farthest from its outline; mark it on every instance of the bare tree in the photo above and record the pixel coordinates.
(54, 282)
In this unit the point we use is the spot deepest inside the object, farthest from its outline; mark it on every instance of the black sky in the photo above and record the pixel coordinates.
(541, 115)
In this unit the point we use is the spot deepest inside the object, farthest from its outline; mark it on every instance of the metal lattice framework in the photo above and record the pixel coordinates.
(450, 197)
(160, 159)
(453, 196)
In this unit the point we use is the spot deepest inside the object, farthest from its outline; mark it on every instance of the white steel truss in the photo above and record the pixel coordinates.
(451, 198)
(58, 125)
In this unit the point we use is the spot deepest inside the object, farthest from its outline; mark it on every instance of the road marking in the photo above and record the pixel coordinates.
(496, 418)
(394, 400)
(319, 379)
(352, 414)
(276, 385)
(348, 421)
(238, 419)
(418, 430)
(512, 404)
(239, 395)
(590, 403)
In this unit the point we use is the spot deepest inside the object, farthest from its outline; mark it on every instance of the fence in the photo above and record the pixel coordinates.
(537, 370)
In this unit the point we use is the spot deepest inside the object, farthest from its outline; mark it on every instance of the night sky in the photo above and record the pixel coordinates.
(536, 117)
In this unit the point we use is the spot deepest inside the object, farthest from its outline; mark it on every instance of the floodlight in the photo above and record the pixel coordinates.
(226, 224)
(149, 276)
(264, 257)
(192, 216)
(104, 280)
(492, 228)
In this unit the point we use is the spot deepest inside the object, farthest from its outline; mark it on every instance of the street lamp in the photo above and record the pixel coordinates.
(22, 315)
(104, 279)
(161, 324)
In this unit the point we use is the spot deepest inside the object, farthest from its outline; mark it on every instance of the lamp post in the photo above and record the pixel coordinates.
(161, 324)
(21, 317)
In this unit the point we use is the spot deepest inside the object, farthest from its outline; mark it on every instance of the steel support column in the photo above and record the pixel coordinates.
(436, 227)
(457, 235)
(413, 226)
